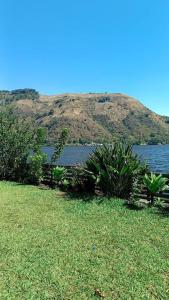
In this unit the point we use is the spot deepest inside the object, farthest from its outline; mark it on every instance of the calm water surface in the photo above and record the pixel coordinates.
(157, 157)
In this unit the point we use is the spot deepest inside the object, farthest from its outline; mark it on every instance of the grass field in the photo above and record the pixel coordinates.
(52, 247)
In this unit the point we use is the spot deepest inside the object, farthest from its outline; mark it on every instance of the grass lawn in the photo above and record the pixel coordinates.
(55, 248)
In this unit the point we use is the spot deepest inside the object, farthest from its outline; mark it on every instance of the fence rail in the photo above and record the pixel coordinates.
(163, 196)
(70, 171)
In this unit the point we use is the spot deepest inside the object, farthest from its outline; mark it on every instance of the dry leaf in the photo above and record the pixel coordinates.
(99, 293)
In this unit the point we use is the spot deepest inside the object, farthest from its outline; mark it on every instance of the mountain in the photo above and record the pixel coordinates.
(92, 117)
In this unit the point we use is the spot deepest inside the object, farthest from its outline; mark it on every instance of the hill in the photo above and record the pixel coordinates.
(91, 117)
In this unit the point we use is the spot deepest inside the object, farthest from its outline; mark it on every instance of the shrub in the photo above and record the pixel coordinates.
(58, 174)
(59, 146)
(114, 169)
(17, 138)
(137, 186)
(104, 99)
(155, 184)
(36, 167)
(82, 180)
(65, 185)
(37, 160)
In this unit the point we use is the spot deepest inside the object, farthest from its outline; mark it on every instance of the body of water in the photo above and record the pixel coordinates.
(156, 156)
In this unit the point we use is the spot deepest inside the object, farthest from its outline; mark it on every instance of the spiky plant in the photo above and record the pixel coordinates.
(114, 168)
(155, 184)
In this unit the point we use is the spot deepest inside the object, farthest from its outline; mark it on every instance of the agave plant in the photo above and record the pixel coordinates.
(155, 184)
(114, 169)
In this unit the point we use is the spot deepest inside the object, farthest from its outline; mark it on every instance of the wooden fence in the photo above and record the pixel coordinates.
(164, 196)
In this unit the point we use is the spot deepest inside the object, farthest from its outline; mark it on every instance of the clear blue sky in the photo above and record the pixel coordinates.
(59, 46)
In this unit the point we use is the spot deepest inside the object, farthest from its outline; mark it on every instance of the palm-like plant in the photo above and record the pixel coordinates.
(58, 174)
(155, 184)
(115, 168)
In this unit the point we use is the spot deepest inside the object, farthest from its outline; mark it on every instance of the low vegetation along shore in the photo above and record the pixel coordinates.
(57, 247)
(84, 236)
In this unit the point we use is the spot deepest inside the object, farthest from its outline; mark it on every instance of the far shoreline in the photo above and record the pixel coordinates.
(101, 144)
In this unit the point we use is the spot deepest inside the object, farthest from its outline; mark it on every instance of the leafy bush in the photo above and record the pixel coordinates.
(37, 160)
(59, 146)
(114, 169)
(36, 167)
(154, 184)
(159, 202)
(137, 186)
(17, 138)
(58, 174)
(82, 180)
(65, 185)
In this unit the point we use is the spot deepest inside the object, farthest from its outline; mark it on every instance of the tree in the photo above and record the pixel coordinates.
(16, 141)
(58, 149)
(60, 144)
(37, 160)
(39, 139)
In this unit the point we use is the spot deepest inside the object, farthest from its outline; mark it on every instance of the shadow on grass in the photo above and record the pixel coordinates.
(45, 187)
(132, 206)
(163, 211)
(85, 197)
(158, 210)
(14, 183)
(40, 186)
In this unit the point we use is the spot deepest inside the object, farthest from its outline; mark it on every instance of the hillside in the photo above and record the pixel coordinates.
(91, 117)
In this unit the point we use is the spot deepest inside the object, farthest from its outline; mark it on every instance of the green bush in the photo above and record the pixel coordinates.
(37, 160)
(17, 138)
(82, 180)
(65, 185)
(155, 184)
(36, 167)
(114, 169)
(58, 174)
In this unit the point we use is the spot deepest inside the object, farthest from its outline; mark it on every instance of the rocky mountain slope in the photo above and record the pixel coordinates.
(92, 117)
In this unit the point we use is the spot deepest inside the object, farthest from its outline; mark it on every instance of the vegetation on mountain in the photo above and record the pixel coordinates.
(7, 97)
(91, 117)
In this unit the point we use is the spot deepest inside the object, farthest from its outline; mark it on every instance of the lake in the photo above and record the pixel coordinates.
(156, 156)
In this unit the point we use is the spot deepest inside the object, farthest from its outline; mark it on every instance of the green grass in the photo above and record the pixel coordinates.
(55, 248)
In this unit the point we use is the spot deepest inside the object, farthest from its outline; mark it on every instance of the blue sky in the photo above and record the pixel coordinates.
(87, 46)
